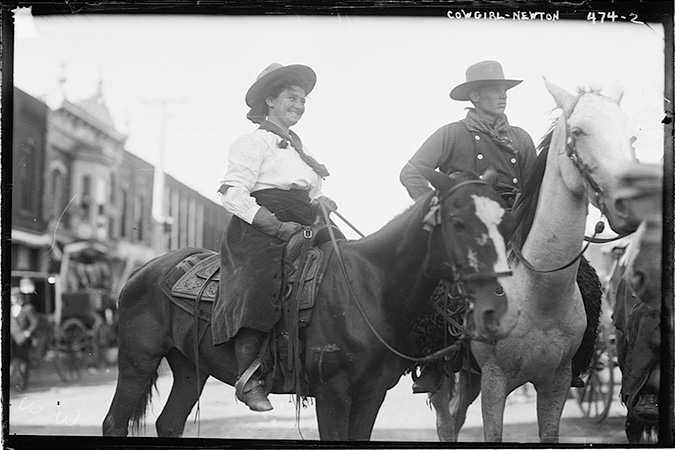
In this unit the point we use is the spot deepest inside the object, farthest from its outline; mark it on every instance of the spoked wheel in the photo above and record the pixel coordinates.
(70, 352)
(596, 396)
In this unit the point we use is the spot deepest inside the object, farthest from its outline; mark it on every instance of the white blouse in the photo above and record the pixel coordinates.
(256, 162)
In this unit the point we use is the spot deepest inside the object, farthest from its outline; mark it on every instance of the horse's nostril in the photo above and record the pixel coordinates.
(490, 321)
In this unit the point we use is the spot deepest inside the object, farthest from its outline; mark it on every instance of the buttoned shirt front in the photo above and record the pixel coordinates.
(454, 148)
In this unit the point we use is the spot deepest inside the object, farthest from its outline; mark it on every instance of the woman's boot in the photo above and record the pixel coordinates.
(247, 345)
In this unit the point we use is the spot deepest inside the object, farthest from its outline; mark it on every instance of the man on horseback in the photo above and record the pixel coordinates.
(484, 138)
(272, 187)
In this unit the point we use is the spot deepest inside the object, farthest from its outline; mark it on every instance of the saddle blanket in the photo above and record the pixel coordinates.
(183, 283)
(198, 275)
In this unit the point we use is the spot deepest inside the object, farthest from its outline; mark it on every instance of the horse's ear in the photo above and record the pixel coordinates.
(614, 91)
(562, 98)
(438, 180)
(490, 176)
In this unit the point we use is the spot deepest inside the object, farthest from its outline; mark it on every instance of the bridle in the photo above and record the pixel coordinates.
(587, 172)
(458, 276)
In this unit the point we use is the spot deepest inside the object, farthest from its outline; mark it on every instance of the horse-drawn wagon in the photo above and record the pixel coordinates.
(83, 335)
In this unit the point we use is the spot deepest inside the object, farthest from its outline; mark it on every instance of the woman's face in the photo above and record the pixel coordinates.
(287, 108)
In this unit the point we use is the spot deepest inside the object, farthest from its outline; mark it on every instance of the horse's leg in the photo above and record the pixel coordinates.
(333, 406)
(493, 400)
(440, 400)
(185, 392)
(363, 414)
(467, 392)
(135, 381)
(551, 398)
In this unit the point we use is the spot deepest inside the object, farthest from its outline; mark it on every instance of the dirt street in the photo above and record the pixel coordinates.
(51, 407)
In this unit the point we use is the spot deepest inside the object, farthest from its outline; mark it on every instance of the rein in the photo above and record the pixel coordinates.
(459, 277)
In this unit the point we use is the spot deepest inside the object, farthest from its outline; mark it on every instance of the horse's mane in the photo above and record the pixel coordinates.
(404, 219)
(526, 205)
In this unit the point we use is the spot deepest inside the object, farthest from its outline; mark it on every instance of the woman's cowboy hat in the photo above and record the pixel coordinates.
(275, 71)
(484, 73)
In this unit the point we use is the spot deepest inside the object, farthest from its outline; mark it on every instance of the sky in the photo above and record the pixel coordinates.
(382, 89)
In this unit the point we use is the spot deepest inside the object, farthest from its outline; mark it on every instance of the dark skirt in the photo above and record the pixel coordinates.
(251, 267)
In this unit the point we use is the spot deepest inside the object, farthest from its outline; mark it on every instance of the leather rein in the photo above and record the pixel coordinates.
(458, 277)
(587, 173)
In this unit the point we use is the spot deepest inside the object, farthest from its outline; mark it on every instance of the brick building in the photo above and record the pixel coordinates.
(82, 207)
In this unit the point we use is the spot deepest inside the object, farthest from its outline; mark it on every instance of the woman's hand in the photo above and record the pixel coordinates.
(268, 223)
(287, 229)
(327, 202)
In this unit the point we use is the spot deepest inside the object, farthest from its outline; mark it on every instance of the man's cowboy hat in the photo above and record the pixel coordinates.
(484, 73)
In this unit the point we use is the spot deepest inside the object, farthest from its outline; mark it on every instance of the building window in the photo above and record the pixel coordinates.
(26, 177)
(192, 219)
(183, 223)
(58, 192)
(86, 202)
(175, 213)
(138, 218)
(124, 213)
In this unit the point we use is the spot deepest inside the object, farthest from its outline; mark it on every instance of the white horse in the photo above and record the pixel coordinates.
(579, 162)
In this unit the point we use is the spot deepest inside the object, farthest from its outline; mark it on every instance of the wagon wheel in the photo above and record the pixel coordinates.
(100, 344)
(596, 396)
(70, 351)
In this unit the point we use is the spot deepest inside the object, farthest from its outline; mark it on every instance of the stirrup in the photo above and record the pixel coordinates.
(243, 379)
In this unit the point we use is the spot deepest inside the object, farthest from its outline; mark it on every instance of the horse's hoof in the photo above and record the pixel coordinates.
(256, 399)
(647, 408)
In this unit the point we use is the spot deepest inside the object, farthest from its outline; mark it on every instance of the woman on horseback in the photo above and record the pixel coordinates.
(272, 187)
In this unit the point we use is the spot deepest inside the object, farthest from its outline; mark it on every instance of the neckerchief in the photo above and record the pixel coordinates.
(498, 131)
(296, 143)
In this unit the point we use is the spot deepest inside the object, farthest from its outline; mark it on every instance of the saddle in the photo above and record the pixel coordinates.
(197, 279)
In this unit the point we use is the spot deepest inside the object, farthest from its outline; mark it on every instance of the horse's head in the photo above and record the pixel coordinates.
(592, 132)
(468, 245)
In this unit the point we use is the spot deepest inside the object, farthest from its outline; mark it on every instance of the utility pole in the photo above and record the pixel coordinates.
(159, 214)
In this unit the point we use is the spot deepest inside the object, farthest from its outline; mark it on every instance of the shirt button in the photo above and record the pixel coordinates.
(513, 160)
(515, 180)
(477, 137)
(479, 156)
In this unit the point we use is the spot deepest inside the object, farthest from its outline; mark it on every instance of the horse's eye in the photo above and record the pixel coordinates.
(576, 132)
(457, 225)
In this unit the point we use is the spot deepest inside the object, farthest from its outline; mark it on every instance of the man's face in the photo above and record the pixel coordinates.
(489, 101)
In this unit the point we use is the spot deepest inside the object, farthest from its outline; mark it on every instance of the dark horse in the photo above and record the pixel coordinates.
(365, 306)
(637, 310)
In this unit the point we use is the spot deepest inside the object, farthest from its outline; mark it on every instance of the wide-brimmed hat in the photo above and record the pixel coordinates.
(276, 71)
(484, 73)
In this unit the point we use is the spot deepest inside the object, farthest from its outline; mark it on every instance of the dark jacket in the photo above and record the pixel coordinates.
(454, 148)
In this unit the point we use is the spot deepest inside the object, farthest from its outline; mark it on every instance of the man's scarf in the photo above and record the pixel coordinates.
(296, 143)
(498, 131)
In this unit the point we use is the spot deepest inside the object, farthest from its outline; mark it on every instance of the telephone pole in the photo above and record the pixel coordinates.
(159, 214)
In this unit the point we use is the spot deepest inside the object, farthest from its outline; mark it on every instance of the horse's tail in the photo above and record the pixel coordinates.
(141, 407)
